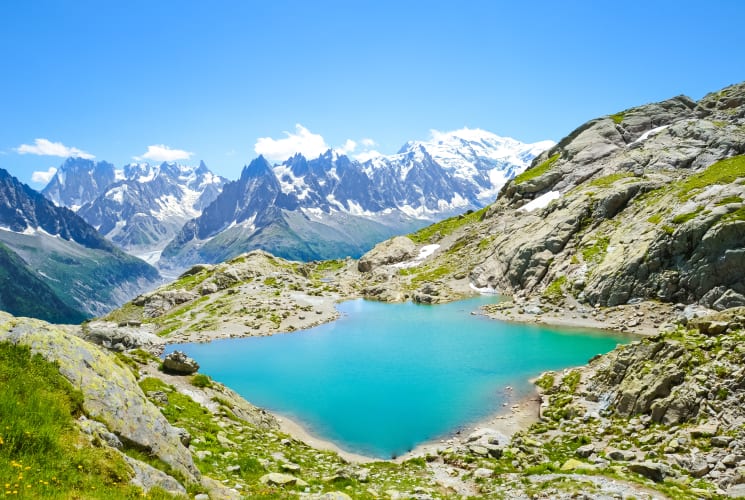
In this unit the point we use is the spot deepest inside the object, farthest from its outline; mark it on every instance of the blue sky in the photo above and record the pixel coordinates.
(206, 80)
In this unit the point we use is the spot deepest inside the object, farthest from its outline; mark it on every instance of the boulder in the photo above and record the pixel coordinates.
(148, 477)
(651, 470)
(179, 363)
(393, 251)
(277, 479)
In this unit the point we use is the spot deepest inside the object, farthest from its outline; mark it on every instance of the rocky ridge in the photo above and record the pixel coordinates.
(643, 205)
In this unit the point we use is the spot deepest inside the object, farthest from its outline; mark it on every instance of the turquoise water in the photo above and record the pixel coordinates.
(387, 377)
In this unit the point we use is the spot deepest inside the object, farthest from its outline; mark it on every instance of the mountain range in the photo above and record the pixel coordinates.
(174, 215)
(140, 207)
(334, 206)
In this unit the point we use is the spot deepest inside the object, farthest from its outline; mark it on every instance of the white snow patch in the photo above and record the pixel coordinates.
(117, 194)
(649, 133)
(424, 252)
(487, 290)
(541, 202)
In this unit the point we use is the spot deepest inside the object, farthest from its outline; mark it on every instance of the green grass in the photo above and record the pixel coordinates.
(737, 215)
(721, 172)
(446, 227)
(683, 218)
(201, 380)
(431, 274)
(608, 180)
(42, 452)
(536, 171)
(595, 252)
(729, 199)
(655, 219)
(554, 292)
(618, 117)
(330, 265)
(546, 381)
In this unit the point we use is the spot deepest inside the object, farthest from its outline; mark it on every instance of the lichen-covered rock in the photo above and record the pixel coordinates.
(179, 363)
(112, 336)
(148, 477)
(398, 249)
(110, 391)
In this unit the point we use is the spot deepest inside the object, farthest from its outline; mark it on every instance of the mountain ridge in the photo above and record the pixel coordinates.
(388, 194)
(82, 269)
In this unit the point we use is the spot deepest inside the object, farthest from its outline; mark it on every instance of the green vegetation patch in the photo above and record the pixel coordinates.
(42, 452)
(655, 219)
(722, 172)
(595, 252)
(536, 171)
(609, 180)
(737, 215)
(618, 117)
(447, 226)
(682, 218)
(554, 292)
(729, 199)
(201, 380)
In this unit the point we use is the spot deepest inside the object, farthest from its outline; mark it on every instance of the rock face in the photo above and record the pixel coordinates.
(179, 363)
(395, 250)
(648, 204)
(111, 394)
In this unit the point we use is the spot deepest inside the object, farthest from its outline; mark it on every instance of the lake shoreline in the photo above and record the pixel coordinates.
(517, 414)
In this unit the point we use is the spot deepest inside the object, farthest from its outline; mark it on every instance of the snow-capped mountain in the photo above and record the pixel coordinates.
(59, 267)
(79, 181)
(143, 206)
(333, 206)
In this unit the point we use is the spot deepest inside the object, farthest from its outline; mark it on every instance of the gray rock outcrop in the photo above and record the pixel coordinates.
(393, 251)
(179, 363)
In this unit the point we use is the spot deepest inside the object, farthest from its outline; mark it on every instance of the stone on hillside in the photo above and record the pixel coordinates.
(483, 472)
(179, 363)
(331, 495)
(393, 251)
(623, 455)
(277, 479)
(707, 429)
(721, 441)
(147, 477)
(574, 464)
(109, 334)
(585, 451)
(651, 470)
(729, 299)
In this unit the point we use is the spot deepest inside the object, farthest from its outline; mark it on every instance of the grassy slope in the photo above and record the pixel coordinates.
(42, 452)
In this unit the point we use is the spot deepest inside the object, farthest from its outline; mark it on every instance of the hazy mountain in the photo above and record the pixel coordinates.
(85, 271)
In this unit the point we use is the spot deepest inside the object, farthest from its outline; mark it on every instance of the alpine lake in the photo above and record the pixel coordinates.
(384, 378)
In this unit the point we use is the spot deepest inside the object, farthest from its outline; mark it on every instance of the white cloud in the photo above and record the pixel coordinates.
(368, 143)
(43, 177)
(45, 147)
(161, 152)
(303, 141)
(367, 155)
(347, 148)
